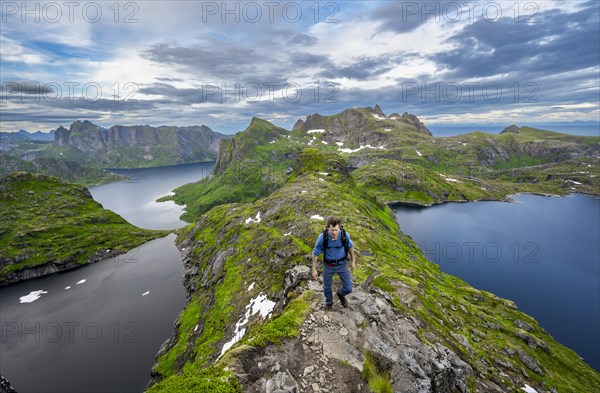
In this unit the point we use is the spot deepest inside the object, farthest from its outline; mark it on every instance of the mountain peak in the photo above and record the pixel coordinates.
(377, 110)
(512, 129)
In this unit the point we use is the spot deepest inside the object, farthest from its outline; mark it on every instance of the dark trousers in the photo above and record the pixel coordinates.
(344, 273)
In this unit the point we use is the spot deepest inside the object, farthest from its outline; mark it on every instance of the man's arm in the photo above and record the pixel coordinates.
(352, 259)
(318, 251)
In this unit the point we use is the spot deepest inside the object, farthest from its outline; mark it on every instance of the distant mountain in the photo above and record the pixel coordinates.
(138, 145)
(512, 129)
(23, 135)
(13, 136)
(362, 126)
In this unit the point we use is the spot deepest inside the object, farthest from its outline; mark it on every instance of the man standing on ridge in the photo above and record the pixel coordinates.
(335, 245)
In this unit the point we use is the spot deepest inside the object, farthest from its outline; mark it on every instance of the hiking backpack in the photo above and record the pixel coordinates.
(344, 241)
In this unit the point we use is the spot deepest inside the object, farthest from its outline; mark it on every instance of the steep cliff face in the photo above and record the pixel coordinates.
(255, 322)
(139, 145)
(258, 133)
(61, 136)
(86, 136)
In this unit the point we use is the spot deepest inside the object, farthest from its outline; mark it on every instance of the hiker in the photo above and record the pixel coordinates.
(335, 245)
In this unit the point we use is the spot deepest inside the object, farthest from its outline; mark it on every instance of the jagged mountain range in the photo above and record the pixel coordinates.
(400, 161)
(164, 145)
(26, 135)
(87, 144)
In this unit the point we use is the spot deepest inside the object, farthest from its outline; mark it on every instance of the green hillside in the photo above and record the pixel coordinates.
(409, 325)
(47, 225)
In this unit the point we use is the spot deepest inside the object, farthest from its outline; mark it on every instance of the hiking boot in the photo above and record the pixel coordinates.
(343, 301)
(328, 307)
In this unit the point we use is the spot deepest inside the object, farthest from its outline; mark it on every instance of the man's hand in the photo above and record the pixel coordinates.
(352, 265)
(313, 273)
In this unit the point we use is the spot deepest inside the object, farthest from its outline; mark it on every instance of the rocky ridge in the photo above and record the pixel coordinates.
(409, 327)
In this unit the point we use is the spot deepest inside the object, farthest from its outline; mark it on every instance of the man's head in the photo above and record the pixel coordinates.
(333, 226)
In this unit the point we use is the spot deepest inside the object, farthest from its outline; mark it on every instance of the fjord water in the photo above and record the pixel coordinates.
(98, 328)
(543, 253)
(135, 198)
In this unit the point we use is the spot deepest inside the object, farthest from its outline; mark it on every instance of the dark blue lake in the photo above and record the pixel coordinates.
(97, 328)
(543, 253)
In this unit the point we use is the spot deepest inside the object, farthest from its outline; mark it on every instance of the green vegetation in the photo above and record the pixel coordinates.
(78, 172)
(209, 380)
(394, 181)
(45, 221)
(245, 250)
(404, 163)
(251, 165)
(379, 382)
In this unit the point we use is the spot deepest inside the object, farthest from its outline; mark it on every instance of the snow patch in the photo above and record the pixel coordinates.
(387, 129)
(81, 281)
(287, 234)
(146, 293)
(339, 143)
(32, 296)
(450, 179)
(271, 142)
(68, 287)
(259, 305)
(573, 181)
(316, 131)
(317, 217)
(375, 115)
(251, 286)
(304, 192)
(323, 173)
(325, 143)
(360, 148)
(528, 389)
(253, 220)
(419, 153)
(321, 179)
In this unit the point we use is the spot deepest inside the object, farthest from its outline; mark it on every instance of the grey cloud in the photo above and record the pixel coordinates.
(406, 16)
(487, 48)
(303, 40)
(26, 87)
(363, 68)
(221, 61)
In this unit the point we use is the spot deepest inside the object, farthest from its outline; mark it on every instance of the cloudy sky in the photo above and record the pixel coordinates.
(220, 63)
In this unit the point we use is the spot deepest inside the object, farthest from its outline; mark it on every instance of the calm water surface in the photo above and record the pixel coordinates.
(97, 328)
(541, 252)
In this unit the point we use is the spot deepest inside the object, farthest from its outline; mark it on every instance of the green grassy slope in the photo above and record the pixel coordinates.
(45, 221)
(485, 330)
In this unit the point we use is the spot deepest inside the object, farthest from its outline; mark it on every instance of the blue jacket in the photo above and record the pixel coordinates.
(335, 249)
